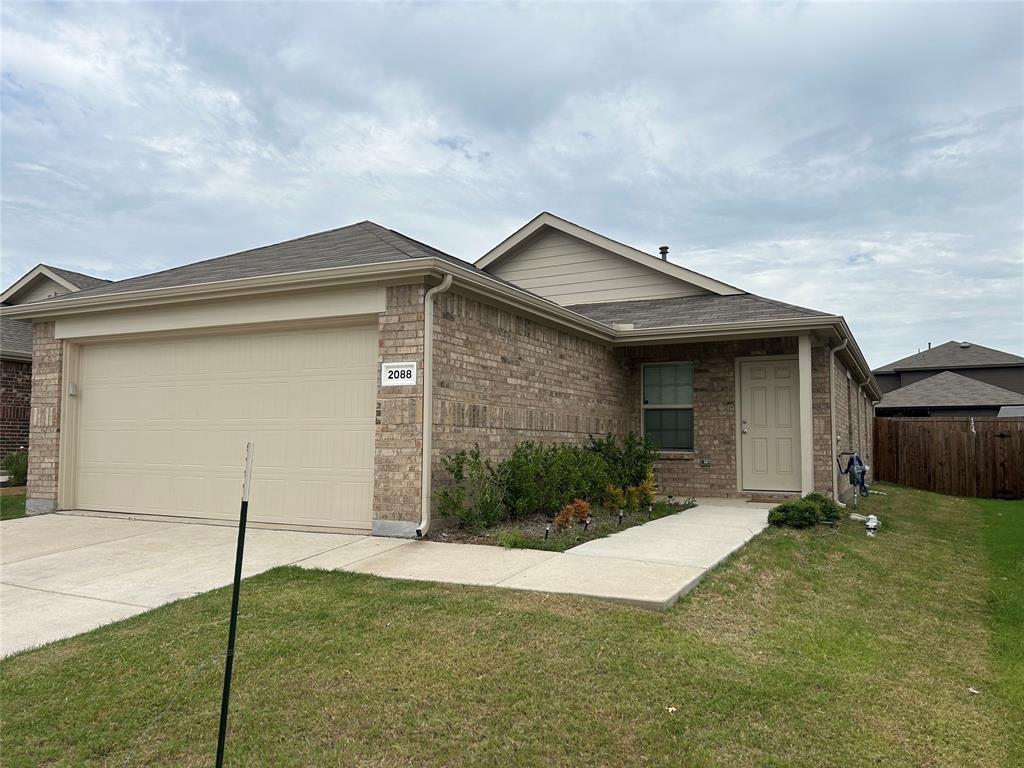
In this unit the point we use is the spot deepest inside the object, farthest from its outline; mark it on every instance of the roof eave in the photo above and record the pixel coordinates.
(220, 289)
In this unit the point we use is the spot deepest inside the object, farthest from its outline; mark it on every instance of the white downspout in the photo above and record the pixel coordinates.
(428, 402)
(832, 414)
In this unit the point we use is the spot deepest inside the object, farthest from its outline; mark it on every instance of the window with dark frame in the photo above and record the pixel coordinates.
(668, 405)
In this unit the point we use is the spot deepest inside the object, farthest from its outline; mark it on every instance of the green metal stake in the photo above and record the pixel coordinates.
(233, 626)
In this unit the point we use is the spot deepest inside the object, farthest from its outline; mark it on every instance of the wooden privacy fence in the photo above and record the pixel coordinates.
(946, 456)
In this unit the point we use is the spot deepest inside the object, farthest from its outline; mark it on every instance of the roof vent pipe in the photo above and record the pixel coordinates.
(663, 250)
(929, 345)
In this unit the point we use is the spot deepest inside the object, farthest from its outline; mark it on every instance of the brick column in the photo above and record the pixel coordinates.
(399, 431)
(44, 428)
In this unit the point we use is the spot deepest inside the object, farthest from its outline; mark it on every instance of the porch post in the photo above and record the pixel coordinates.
(806, 416)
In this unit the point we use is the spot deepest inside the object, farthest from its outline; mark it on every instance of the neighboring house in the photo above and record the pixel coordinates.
(1011, 412)
(947, 394)
(992, 366)
(43, 282)
(332, 351)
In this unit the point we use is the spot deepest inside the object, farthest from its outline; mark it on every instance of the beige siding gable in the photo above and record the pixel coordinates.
(568, 271)
(42, 287)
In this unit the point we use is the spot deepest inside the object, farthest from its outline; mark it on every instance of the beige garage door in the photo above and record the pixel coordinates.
(162, 425)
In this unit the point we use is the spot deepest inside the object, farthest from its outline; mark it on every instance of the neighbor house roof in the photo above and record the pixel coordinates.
(951, 355)
(355, 245)
(80, 281)
(1011, 411)
(15, 339)
(70, 281)
(949, 390)
(693, 310)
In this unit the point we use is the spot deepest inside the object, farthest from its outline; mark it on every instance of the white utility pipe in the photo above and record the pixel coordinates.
(832, 415)
(428, 402)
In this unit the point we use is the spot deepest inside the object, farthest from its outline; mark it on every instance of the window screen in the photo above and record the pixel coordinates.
(668, 405)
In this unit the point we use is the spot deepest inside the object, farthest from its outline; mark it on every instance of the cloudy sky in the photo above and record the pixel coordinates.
(863, 159)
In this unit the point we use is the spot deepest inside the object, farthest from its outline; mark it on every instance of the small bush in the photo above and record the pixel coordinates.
(15, 464)
(647, 488)
(829, 511)
(575, 512)
(629, 460)
(475, 496)
(798, 513)
(544, 479)
(614, 498)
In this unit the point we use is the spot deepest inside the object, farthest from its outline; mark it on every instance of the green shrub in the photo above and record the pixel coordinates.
(475, 496)
(829, 511)
(799, 513)
(15, 464)
(538, 478)
(629, 460)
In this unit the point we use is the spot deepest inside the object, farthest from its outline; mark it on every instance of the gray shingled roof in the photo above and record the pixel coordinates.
(693, 310)
(15, 337)
(949, 390)
(77, 279)
(354, 245)
(369, 243)
(952, 355)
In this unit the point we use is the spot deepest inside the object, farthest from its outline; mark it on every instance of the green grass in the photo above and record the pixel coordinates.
(12, 507)
(1004, 540)
(807, 648)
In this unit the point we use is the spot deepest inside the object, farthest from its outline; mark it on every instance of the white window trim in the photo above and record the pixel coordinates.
(675, 407)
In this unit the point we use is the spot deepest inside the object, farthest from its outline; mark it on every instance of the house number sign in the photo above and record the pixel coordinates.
(397, 374)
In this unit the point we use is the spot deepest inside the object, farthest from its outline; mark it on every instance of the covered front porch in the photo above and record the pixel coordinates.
(736, 417)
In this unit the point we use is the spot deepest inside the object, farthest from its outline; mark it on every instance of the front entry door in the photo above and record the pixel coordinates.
(770, 425)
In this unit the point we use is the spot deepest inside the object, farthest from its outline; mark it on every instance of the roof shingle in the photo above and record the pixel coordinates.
(80, 281)
(15, 337)
(354, 245)
(952, 355)
(949, 390)
(693, 310)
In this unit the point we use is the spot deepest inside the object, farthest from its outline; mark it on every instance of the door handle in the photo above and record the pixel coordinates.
(744, 429)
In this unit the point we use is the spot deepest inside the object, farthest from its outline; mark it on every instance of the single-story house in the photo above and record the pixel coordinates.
(354, 358)
(42, 282)
(991, 366)
(947, 394)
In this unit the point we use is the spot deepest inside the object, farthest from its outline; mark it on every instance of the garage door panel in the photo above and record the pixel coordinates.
(163, 424)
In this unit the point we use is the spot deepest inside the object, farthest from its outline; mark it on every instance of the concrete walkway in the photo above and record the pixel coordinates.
(65, 574)
(649, 565)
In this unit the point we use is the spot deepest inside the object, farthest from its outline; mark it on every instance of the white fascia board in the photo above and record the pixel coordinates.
(549, 220)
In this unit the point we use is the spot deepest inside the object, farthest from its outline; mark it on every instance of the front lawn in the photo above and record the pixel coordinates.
(807, 648)
(12, 506)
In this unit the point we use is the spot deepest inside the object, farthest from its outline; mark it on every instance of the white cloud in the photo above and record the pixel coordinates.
(862, 159)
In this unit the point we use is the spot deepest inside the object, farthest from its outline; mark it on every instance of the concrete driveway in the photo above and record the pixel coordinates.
(65, 574)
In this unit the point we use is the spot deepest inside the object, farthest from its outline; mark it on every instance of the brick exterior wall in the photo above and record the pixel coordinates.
(821, 381)
(44, 428)
(501, 378)
(398, 444)
(854, 418)
(15, 404)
